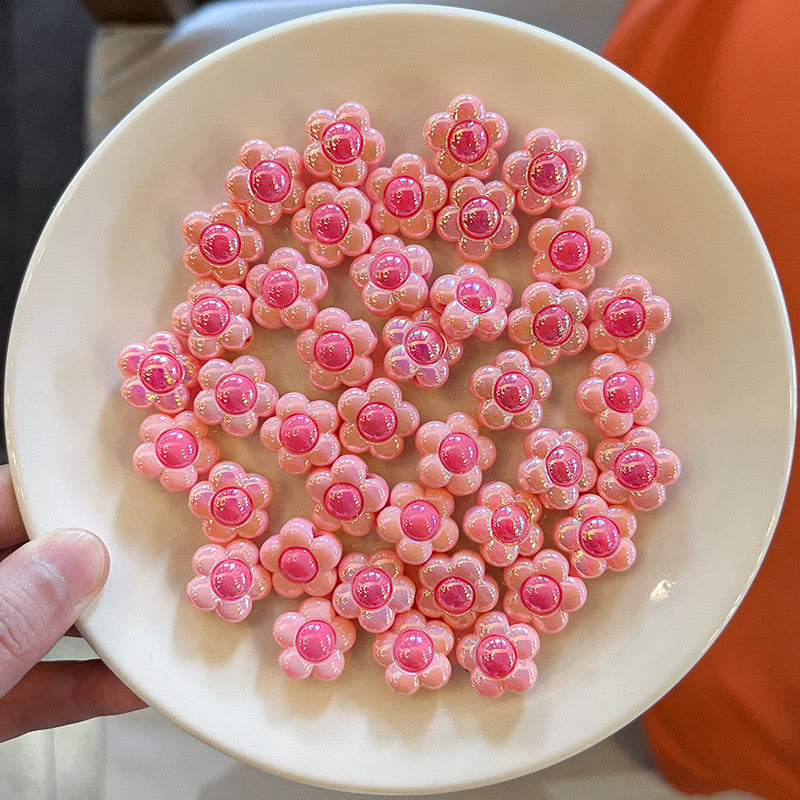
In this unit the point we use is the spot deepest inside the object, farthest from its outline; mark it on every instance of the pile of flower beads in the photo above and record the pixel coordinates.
(443, 566)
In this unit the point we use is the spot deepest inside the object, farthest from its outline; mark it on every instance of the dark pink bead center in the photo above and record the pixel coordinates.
(376, 422)
(458, 453)
(160, 372)
(552, 325)
(454, 595)
(333, 351)
(479, 218)
(476, 295)
(624, 317)
(540, 594)
(342, 142)
(496, 656)
(210, 315)
(635, 469)
(315, 641)
(231, 506)
(510, 524)
(220, 243)
(328, 223)
(424, 344)
(548, 174)
(599, 537)
(389, 270)
(413, 650)
(564, 465)
(176, 448)
(403, 196)
(343, 501)
(236, 393)
(298, 433)
(280, 288)
(231, 579)
(420, 520)
(270, 181)
(569, 251)
(623, 392)
(468, 141)
(513, 392)
(372, 588)
(298, 565)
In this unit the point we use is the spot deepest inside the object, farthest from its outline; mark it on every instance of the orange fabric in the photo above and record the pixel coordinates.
(730, 68)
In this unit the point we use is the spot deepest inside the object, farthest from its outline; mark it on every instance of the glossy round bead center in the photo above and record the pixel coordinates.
(389, 270)
(458, 453)
(210, 315)
(342, 142)
(424, 344)
(564, 465)
(599, 537)
(635, 469)
(454, 595)
(468, 141)
(328, 223)
(298, 565)
(476, 295)
(280, 288)
(333, 351)
(510, 524)
(623, 392)
(420, 520)
(298, 433)
(413, 650)
(231, 506)
(372, 588)
(236, 393)
(315, 641)
(548, 174)
(220, 243)
(479, 218)
(270, 181)
(496, 656)
(176, 448)
(343, 501)
(160, 372)
(231, 579)
(624, 317)
(540, 594)
(513, 392)
(403, 196)
(552, 325)
(376, 422)
(569, 251)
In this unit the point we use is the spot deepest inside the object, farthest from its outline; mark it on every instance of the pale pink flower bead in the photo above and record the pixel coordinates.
(219, 244)
(636, 469)
(618, 393)
(418, 522)
(541, 591)
(414, 652)
(456, 588)
(286, 290)
(231, 503)
(373, 589)
(302, 433)
(337, 350)
(597, 536)
(346, 496)
(627, 318)
(313, 640)
(266, 182)
(234, 395)
(556, 467)
(175, 450)
(333, 223)
(393, 276)
(465, 138)
(343, 146)
(228, 578)
(302, 559)
(504, 524)
(478, 218)
(546, 173)
(499, 656)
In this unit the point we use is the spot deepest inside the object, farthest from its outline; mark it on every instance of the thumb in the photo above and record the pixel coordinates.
(44, 586)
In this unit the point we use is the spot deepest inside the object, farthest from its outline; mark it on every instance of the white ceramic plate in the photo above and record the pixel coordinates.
(107, 272)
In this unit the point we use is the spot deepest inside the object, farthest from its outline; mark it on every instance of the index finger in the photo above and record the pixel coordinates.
(12, 530)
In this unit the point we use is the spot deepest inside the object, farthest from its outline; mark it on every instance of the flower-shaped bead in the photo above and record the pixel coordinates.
(510, 391)
(343, 144)
(597, 536)
(456, 588)
(627, 318)
(556, 467)
(228, 578)
(636, 469)
(333, 223)
(618, 393)
(392, 277)
(266, 183)
(231, 503)
(504, 524)
(549, 323)
(414, 652)
(373, 589)
(286, 290)
(219, 244)
(541, 591)
(418, 522)
(302, 560)
(478, 218)
(405, 197)
(499, 656)
(175, 450)
(346, 496)
(302, 433)
(465, 138)
(337, 349)
(546, 173)
(313, 640)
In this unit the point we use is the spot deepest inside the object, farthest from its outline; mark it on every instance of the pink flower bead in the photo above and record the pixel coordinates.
(220, 245)
(478, 218)
(597, 536)
(346, 496)
(414, 652)
(313, 640)
(556, 467)
(504, 524)
(636, 469)
(228, 578)
(418, 522)
(392, 276)
(343, 144)
(302, 433)
(337, 350)
(265, 184)
(453, 454)
(373, 589)
(510, 391)
(618, 393)
(333, 223)
(627, 318)
(549, 323)
(302, 559)
(499, 656)
(456, 588)
(234, 395)
(286, 290)
(231, 503)
(465, 138)
(546, 172)
(174, 450)
(541, 591)
(405, 197)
